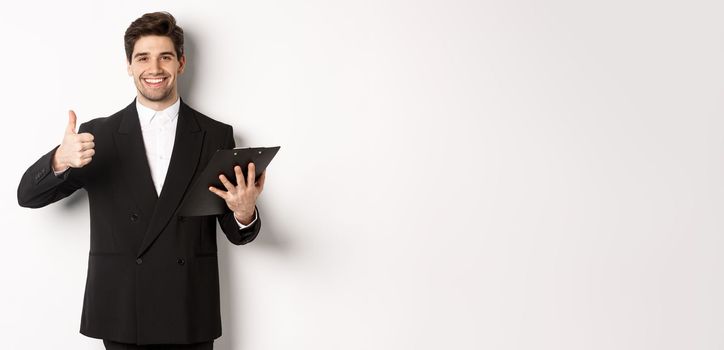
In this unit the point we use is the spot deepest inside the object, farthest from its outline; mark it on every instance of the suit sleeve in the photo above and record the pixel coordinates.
(39, 186)
(227, 221)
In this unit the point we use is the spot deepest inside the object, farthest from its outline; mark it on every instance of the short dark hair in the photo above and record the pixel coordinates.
(155, 23)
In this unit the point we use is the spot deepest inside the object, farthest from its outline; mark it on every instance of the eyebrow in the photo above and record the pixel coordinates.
(161, 54)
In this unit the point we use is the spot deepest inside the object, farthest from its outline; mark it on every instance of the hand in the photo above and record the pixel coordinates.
(241, 199)
(76, 150)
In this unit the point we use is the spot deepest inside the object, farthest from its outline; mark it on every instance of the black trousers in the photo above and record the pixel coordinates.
(111, 345)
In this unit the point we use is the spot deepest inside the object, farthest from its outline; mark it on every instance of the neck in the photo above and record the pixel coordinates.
(157, 105)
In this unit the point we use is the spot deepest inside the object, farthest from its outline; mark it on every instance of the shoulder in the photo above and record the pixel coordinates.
(205, 122)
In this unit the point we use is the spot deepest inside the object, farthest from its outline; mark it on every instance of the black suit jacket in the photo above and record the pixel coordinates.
(152, 275)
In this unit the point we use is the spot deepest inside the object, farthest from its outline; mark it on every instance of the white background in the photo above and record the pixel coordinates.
(453, 174)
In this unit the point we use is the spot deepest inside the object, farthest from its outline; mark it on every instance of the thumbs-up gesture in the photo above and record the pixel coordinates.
(76, 150)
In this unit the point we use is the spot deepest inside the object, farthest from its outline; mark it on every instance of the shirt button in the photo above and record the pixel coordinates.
(139, 261)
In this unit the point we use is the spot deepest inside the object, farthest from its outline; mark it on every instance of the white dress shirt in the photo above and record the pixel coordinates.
(159, 132)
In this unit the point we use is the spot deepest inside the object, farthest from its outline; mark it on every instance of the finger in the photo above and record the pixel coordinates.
(229, 186)
(87, 145)
(218, 192)
(85, 137)
(251, 175)
(80, 162)
(239, 175)
(87, 153)
(70, 129)
(85, 161)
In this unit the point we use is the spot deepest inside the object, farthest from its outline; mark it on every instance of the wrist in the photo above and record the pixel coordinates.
(244, 218)
(56, 164)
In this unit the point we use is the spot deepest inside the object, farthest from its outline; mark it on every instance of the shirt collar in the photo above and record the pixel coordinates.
(145, 114)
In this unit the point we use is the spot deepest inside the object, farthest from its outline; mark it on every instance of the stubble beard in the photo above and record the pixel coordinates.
(160, 97)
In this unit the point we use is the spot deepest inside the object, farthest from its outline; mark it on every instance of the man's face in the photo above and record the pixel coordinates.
(155, 67)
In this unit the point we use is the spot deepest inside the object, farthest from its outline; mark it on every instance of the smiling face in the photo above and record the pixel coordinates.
(155, 69)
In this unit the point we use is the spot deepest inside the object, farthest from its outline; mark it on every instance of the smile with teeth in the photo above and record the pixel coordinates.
(153, 81)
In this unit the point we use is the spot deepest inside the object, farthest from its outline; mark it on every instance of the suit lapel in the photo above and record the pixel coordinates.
(134, 164)
(184, 159)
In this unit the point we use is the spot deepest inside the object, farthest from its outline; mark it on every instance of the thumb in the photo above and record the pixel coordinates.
(70, 129)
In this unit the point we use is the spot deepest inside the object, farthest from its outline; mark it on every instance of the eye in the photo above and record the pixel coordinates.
(166, 58)
(142, 59)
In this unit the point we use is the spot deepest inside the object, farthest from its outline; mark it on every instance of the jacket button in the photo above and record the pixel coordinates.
(134, 217)
(180, 261)
(139, 261)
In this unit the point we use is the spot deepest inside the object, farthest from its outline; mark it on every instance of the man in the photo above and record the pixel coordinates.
(152, 275)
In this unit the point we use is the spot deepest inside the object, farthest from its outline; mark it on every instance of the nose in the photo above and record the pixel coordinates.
(155, 66)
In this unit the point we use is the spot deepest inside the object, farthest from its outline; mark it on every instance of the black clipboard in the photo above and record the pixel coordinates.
(199, 201)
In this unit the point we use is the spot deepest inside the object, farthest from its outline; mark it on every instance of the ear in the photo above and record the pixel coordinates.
(182, 64)
(128, 68)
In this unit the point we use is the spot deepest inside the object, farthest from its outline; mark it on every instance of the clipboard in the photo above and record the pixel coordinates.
(199, 201)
